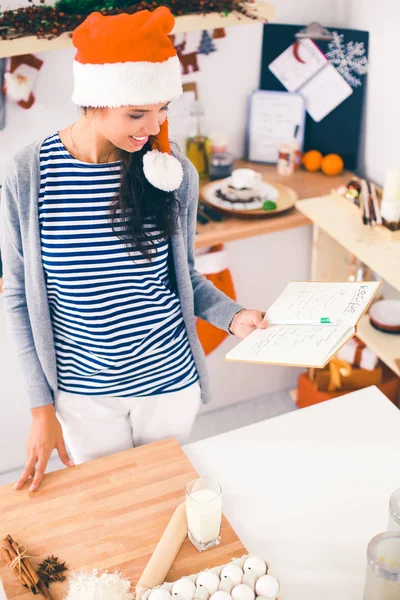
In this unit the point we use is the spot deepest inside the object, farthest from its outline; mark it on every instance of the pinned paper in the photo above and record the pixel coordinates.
(305, 69)
(297, 64)
(324, 92)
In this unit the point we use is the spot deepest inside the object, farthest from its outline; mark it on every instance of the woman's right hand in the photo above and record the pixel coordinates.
(45, 435)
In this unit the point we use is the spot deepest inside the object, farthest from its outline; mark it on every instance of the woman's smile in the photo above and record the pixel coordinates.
(138, 141)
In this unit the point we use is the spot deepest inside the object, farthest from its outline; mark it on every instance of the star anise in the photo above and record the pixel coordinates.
(51, 569)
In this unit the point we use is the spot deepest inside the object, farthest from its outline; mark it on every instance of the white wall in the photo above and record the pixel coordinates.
(381, 140)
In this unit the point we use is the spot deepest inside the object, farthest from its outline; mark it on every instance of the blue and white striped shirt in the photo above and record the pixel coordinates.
(118, 327)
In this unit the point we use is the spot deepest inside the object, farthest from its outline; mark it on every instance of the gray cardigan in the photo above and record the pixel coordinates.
(25, 291)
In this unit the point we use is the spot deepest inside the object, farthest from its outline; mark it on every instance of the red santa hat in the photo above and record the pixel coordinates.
(129, 60)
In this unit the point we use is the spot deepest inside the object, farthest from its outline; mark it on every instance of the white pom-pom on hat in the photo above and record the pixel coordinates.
(162, 170)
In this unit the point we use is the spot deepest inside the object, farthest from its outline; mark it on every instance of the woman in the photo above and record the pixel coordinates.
(100, 285)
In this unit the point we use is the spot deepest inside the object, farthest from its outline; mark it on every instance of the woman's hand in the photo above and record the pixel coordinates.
(246, 321)
(45, 435)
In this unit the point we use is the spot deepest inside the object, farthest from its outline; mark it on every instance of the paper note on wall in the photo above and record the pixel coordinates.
(305, 69)
(297, 64)
(324, 92)
(180, 118)
(275, 116)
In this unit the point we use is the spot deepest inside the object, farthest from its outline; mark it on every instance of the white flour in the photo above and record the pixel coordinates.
(91, 586)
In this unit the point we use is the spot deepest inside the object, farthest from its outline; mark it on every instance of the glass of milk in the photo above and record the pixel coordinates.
(204, 512)
(382, 580)
(394, 511)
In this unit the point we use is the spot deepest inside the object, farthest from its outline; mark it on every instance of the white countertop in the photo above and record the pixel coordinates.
(309, 489)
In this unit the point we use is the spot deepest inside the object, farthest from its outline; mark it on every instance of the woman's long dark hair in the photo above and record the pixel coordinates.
(138, 202)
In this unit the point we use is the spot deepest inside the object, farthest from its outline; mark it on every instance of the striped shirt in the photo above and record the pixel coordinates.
(118, 327)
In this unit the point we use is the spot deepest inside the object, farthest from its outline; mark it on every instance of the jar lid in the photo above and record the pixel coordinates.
(219, 141)
(221, 159)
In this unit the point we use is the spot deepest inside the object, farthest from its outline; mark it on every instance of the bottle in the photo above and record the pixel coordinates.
(221, 161)
(198, 144)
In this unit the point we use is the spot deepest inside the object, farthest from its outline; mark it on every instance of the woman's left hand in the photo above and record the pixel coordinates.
(246, 321)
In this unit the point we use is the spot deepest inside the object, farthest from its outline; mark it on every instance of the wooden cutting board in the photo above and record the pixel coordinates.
(107, 514)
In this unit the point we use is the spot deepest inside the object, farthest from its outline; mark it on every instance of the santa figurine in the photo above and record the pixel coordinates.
(20, 79)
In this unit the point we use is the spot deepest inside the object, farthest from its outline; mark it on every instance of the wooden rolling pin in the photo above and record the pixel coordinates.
(165, 552)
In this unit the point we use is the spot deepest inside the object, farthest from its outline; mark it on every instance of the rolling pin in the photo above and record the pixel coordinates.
(165, 552)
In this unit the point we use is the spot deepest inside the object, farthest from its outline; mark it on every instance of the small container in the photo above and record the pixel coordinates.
(289, 157)
(394, 511)
(221, 165)
(221, 161)
(382, 580)
(204, 512)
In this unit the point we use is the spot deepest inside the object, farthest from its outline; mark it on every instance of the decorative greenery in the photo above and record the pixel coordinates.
(85, 7)
(269, 205)
(51, 21)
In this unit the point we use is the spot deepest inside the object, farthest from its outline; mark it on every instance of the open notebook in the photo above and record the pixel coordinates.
(301, 344)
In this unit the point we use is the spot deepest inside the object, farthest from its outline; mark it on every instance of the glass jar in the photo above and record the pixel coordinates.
(221, 165)
(382, 580)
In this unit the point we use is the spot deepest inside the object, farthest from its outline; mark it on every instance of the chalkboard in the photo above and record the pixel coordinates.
(339, 132)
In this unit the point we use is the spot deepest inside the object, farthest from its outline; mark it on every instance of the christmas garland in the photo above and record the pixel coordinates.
(51, 21)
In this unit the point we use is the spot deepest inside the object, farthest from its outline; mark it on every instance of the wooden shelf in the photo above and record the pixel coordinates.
(385, 345)
(261, 11)
(305, 185)
(341, 220)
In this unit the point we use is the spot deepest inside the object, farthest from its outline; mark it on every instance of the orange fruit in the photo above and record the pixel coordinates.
(332, 164)
(312, 160)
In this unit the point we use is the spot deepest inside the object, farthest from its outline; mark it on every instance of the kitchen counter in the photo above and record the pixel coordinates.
(306, 490)
(305, 184)
(309, 489)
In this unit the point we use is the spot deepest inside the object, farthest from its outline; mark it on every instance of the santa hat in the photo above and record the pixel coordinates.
(129, 60)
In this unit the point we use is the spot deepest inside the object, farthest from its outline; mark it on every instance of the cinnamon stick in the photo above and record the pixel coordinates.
(36, 583)
(22, 577)
(13, 554)
(25, 561)
(43, 590)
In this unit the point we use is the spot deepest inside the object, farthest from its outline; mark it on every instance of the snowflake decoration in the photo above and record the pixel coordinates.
(349, 59)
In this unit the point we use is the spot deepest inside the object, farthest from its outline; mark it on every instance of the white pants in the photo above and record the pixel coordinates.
(95, 426)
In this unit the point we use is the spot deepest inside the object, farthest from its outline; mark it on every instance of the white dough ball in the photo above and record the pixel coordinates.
(234, 572)
(185, 588)
(256, 564)
(160, 594)
(209, 580)
(242, 592)
(267, 586)
(221, 595)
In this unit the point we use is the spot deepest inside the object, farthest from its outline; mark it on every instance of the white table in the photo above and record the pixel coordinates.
(309, 489)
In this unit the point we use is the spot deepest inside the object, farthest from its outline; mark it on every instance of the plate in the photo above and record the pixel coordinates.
(286, 200)
(385, 315)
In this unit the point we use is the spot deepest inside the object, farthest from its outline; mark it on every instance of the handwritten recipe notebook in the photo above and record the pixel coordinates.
(300, 342)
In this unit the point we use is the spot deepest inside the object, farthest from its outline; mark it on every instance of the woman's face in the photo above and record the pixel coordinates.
(129, 127)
